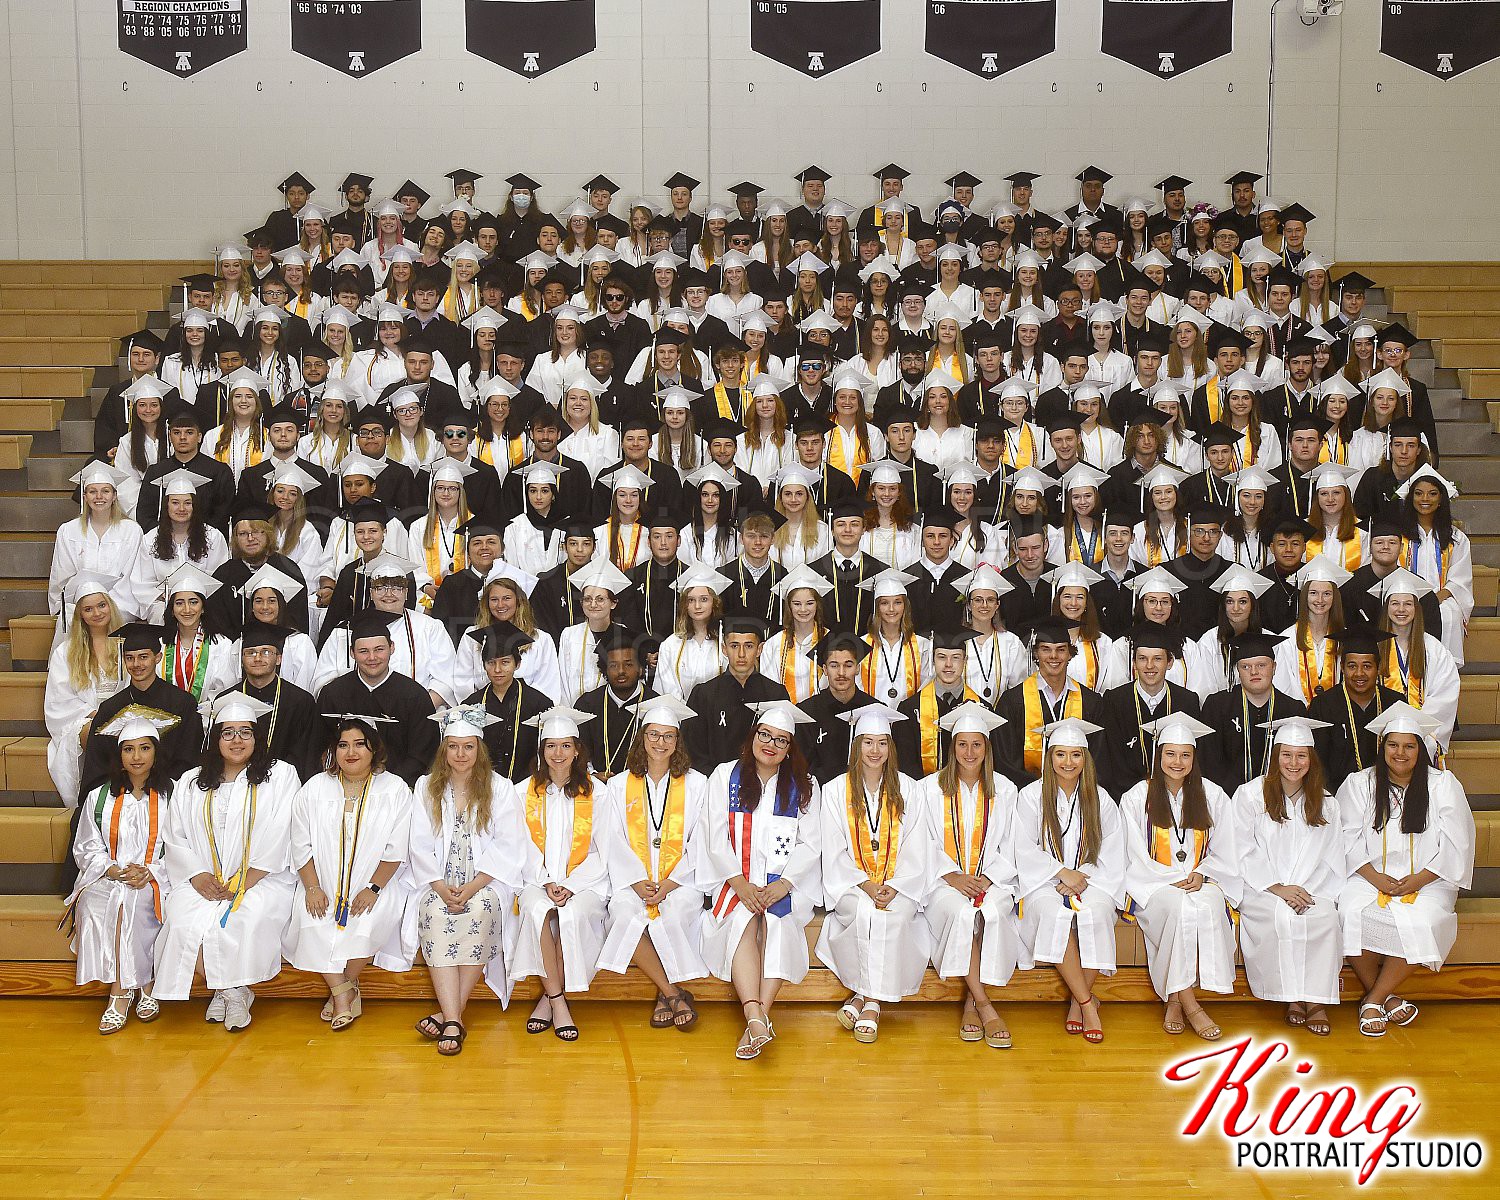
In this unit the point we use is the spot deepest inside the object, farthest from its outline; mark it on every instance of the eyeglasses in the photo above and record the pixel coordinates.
(389, 586)
(767, 738)
(237, 735)
(608, 296)
(660, 736)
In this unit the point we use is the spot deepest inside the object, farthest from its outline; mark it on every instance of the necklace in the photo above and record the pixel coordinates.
(657, 821)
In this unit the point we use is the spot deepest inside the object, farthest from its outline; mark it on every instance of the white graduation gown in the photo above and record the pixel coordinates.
(138, 594)
(432, 667)
(76, 547)
(104, 906)
(880, 954)
(325, 835)
(242, 947)
(577, 663)
(65, 708)
(1426, 560)
(580, 921)
(683, 663)
(762, 846)
(676, 931)
(1189, 935)
(499, 851)
(792, 666)
(1047, 918)
(530, 549)
(1289, 958)
(1422, 932)
(994, 663)
(952, 917)
(1440, 684)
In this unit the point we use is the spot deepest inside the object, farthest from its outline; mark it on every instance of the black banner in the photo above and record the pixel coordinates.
(530, 37)
(990, 37)
(182, 36)
(816, 37)
(356, 36)
(1444, 38)
(1167, 38)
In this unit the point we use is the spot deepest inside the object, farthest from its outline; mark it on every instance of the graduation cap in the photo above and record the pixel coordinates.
(1243, 177)
(812, 174)
(851, 642)
(1150, 636)
(679, 180)
(145, 339)
(370, 623)
(260, 633)
(1052, 630)
(502, 639)
(1174, 183)
(747, 189)
(366, 508)
(745, 623)
(963, 179)
(720, 427)
(601, 183)
(1022, 178)
(524, 183)
(139, 635)
(201, 281)
(1353, 281)
(408, 188)
(1396, 332)
(355, 179)
(1360, 637)
(260, 237)
(462, 176)
(140, 721)
(296, 179)
(1296, 212)
(1093, 174)
(892, 171)
(1255, 645)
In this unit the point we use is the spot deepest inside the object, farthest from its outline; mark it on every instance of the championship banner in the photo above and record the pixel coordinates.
(182, 36)
(530, 37)
(1167, 37)
(990, 37)
(1444, 38)
(816, 37)
(356, 36)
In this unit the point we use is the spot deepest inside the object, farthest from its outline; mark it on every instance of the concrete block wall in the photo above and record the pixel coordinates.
(109, 157)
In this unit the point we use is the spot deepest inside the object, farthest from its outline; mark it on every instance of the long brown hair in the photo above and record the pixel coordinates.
(1194, 798)
(525, 616)
(890, 775)
(793, 773)
(1313, 792)
(580, 782)
(1088, 809)
(1416, 662)
(478, 797)
(678, 766)
(948, 775)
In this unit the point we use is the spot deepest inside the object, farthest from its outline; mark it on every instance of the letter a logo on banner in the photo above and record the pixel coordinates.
(815, 37)
(1167, 38)
(989, 38)
(182, 37)
(356, 37)
(1443, 38)
(530, 37)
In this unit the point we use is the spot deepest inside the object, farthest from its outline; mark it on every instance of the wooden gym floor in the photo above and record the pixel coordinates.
(287, 1109)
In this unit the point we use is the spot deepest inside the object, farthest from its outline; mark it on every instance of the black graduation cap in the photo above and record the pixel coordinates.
(740, 227)
(922, 231)
(297, 179)
(1227, 220)
(1296, 212)
(250, 509)
(866, 231)
(502, 639)
(1222, 335)
(1158, 224)
(1093, 174)
(1022, 178)
(694, 277)
(747, 189)
(260, 633)
(744, 623)
(413, 189)
(898, 414)
(939, 516)
(1284, 275)
(1052, 629)
(991, 427)
(1353, 281)
(1299, 347)
(988, 234)
(1174, 183)
(1307, 421)
(1385, 527)
(374, 414)
(578, 527)
(1152, 339)
(366, 508)
(668, 336)
(1116, 516)
(601, 183)
(811, 423)
(461, 176)
(953, 639)
(478, 527)
(1220, 434)
(892, 171)
(355, 179)
(963, 179)
(812, 174)
(145, 339)
(1150, 415)
(679, 180)
(1294, 527)
(1242, 177)
(1404, 427)
(720, 427)
(202, 281)
(370, 623)
(912, 287)
(183, 415)
(1361, 637)
(139, 635)
(609, 223)
(1255, 645)
(1045, 221)
(1151, 636)
(260, 237)
(1207, 513)
(851, 642)
(1066, 420)
(1397, 332)
(662, 517)
(317, 348)
(661, 224)
(524, 182)
(641, 420)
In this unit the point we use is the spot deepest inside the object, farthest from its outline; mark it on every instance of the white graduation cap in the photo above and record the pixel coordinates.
(404, 398)
(389, 207)
(1252, 479)
(1072, 574)
(1241, 579)
(882, 265)
(946, 310)
(1156, 580)
(1259, 255)
(872, 720)
(582, 381)
(463, 720)
(733, 258)
(1071, 731)
(182, 482)
(712, 473)
(1188, 315)
(1363, 329)
(267, 576)
(1400, 582)
(390, 314)
(1161, 475)
(559, 721)
(1083, 262)
(716, 212)
(99, 472)
(960, 472)
(499, 386)
(1388, 378)
(1029, 258)
(600, 573)
(1427, 471)
(293, 255)
(1016, 386)
(1028, 314)
(244, 377)
(1330, 475)
(1255, 320)
(819, 320)
(451, 470)
(665, 710)
(766, 384)
(1401, 717)
(1210, 259)
(984, 578)
(1242, 381)
(889, 582)
(1154, 258)
(466, 251)
(1167, 391)
(232, 253)
(1029, 479)
(1103, 313)
(85, 583)
(807, 261)
(338, 315)
(542, 472)
(598, 254)
(1082, 475)
(802, 576)
(1267, 204)
(266, 314)
(883, 470)
(951, 251)
(146, 385)
(795, 474)
(359, 464)
(386, 565)
(700, 575)
(853, 379)
(1310, 264)
(1338, 385)
(537, 261)
(567, 312)
(289, 474)
(1321, 569)
(837, 208)
(778, 714)
(579, 208)
(232, 706)
(1177, 729)
(400, 254)
(138, 721)
(939, 378)
(971, 717)
(1293, 731)
(628, 477)
(196, 318)
(665, 259)
(459, 204)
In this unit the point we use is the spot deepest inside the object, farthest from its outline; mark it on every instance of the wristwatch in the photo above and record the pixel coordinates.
(374, 887)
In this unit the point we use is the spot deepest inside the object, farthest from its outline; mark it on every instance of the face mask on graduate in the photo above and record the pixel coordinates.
(521, 200)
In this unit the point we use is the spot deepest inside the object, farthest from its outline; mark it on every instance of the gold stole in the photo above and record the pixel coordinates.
(1350, 548)
(1161, 846)
(435, 570)
(874, 854)
(969, 858)
(1305, 668)
(869, 672)
(1031, 695)
(1247, 450)
(1409, 554)
(673, 826)
(1024, 455)
(927, 713)
(583, 823)
(1399, 681)
(1090, 651)
(721, 399)
(1211, 395)
(836, 457)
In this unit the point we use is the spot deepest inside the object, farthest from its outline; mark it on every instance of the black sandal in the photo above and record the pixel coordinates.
(541, 1024)
(662, 1015)
(430, 1027)
(564, 1033)
(456, 1038)
(683, 1000)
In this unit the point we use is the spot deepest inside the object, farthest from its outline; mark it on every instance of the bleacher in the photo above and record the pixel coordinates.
(60, 325)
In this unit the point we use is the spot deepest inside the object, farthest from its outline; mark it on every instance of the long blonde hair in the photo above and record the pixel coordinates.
(477, 804)
(84, 669)
(525, 618)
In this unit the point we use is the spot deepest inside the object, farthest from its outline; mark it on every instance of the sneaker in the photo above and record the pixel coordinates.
(215, 1008)
(237, 1003)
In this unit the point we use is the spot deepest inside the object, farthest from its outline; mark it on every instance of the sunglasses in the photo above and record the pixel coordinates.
(614, 296)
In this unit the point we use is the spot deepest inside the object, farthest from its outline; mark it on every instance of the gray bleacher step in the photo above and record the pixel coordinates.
(1473, 474)
(75, 436)
(35, 513)
(51, 473)
(20, 602)
(27, 558)
(23, 728)
(1479, 514)
(1460, 410)
(1487, 553)
(31, 879)
(1486, 882)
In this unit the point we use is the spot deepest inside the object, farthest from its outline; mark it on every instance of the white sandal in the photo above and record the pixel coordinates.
(113, 1019)
(1372, 1027)
(866, 1030)
(753, 1048)
(147, 1006)
(1403, 1014)
(848, 1013)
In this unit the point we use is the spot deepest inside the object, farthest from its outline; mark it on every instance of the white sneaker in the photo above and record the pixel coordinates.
(215, 1008)
(237, 1003)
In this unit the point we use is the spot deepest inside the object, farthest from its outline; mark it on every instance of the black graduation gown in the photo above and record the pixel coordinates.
(411, 738)
(907, 734)
(894, 394)
(627, 339)
(574, 495)
(1280, 404)
(457, 601)
(717, 733)
(214, 501)
(1278, 603)
(665, 490)
(1010, 738)
(1337, 745)
(511, 742)
(752, 597)
(440, 401)
(1360, 605)
(978, 398)
(1291, 495)
(1198, 606)
(609, 735)
(1203, 487)
(293, 726)
(825, 743)
(1115, 602)
(254, 480)
(113, 419)
(797, 405)
(919, 480)
(848, 608)
(1126, 760)
(1122, 488)
(1376, 494)
(935, 602)
(1024, 603)
(481, 490)
(180, 746)
(555, 603)
(231, 608)
(1223, 753)
(651, 603)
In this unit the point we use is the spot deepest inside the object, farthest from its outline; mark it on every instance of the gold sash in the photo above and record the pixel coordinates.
(673, 826)
(583, 823)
